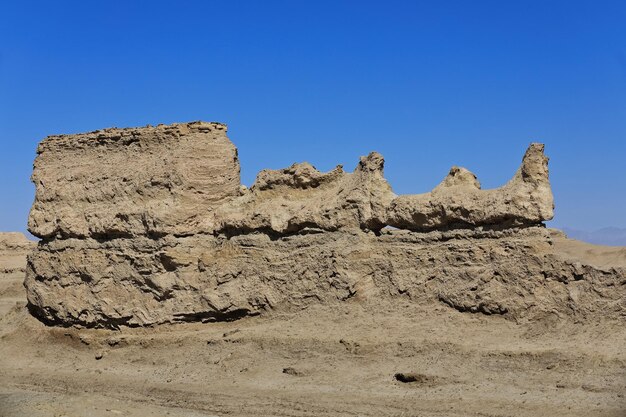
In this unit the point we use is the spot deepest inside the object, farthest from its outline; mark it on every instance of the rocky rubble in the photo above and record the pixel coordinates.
(151, 225)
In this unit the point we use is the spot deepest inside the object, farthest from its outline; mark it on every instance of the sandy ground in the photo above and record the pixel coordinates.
(356, 358)
(596, 255)
(324, 361)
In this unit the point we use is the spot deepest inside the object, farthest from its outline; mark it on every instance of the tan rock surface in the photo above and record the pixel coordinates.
(14, 247)
(299, 197)
(129, 182)
(329, 309)
(459, 202)
(515, 273)
(173, 237)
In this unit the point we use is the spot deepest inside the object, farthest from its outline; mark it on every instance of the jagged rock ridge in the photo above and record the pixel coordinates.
(459, 202)
(151, 225)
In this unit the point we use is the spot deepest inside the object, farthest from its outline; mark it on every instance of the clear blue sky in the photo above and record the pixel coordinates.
(427, 84)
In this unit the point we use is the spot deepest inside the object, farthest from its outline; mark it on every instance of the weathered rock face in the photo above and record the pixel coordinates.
(459, 202)
(300, 197)
(516, 273)
(14, 247)
(151, 225)
(130, 182)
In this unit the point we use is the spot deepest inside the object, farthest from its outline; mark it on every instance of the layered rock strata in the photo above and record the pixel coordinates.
(300, 197)
(121, 183)
(459, 202)
(151, 225)
(136, 282)
(14, 247)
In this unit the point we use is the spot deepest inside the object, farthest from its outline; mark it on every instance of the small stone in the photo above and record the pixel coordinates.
(412, 377)
(291, 371)
(231, 332)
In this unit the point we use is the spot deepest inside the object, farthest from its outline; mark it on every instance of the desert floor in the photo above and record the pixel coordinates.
(324, 361)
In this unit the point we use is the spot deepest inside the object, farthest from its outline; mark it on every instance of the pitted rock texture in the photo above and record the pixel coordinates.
(459, 202)
(300, 197)
(131, 182)
(14, 247)
(151, 225)
(518, 273)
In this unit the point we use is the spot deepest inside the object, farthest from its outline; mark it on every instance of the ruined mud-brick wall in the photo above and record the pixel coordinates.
(151, 225)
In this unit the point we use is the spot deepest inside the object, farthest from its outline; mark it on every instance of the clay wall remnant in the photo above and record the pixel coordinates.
(151, 225)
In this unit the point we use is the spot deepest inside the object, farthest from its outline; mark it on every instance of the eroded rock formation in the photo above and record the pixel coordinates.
(301, 197)
(14, 247)
(459, 202)
(150, 181)
(151, 225)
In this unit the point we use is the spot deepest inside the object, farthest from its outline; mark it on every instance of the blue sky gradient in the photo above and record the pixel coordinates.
(427, 84)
